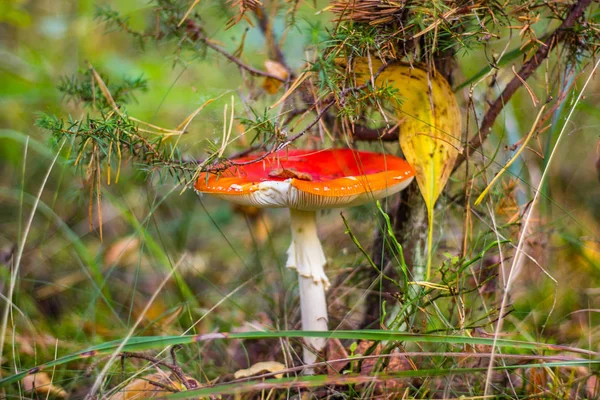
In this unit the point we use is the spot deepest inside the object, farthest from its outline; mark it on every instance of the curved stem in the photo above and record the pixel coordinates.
(306, 256)
(420, 277)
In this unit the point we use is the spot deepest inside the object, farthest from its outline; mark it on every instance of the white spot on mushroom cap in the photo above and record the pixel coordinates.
(406, 173)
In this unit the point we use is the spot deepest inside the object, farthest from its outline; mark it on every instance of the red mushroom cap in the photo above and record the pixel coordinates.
(310, 180)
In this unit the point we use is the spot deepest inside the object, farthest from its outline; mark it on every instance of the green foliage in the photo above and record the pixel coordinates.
(164, 26)
(83, 89)
(108, 137)
(113, 20)
(263, 128)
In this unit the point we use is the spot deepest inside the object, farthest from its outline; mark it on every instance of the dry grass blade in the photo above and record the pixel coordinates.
(168, 132)
(301, 78)
(436, 23)
(534, 98)
(182, 127)
(104, 89)
(187, 13)
(226, 129)
(186, 122)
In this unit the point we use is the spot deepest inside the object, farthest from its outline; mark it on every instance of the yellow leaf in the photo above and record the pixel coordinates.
(430, 129)
(261, 367)
(590, 249)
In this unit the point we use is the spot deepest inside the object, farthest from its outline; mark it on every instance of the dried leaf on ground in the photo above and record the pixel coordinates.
(41, 383)
(390, 363)
(31, 344)
(154, 385)
(336, 351)
(260, 368)
(125, 252)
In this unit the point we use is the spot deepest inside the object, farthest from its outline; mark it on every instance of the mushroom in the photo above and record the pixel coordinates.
(306, 181)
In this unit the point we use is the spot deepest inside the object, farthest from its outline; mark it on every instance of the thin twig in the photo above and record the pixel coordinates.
(384, 134)
(198, 35)
(176, 369)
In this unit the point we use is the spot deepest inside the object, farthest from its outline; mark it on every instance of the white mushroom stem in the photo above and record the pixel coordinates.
(306, 256)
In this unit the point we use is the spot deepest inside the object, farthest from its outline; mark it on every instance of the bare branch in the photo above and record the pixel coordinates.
(198, 35)
(371, 135)
(272, 42)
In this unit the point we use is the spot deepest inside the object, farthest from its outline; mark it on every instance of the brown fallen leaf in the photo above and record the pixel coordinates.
(394, 363)
(260, 368)
(31, 344)
(336, 351)
(289, 173)
(124, 252)
(154, 385)
(592, 387)
(151, 314)
(277, 69)
(41, 383)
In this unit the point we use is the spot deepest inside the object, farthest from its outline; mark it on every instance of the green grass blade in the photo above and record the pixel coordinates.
(152, 342)
(320, 380)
